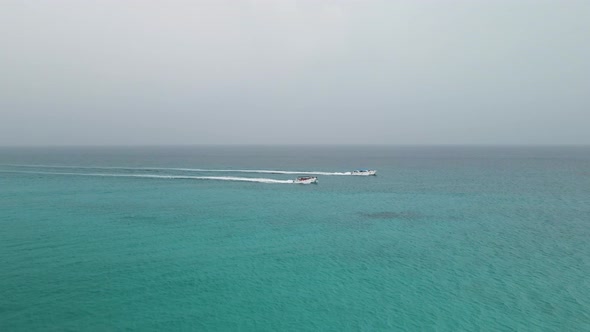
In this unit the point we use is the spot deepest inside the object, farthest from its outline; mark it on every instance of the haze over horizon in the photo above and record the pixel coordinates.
(294, 72)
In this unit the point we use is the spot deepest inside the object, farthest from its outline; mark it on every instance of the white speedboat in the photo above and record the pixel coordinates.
(364, 172)
(306, 180)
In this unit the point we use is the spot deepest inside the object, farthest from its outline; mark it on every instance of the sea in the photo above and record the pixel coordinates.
(218, 238)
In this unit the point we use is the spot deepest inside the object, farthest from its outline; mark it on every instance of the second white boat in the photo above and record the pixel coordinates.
(364, 172)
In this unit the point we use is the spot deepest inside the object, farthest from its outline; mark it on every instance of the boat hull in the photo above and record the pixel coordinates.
(364, 172)
(307, 180)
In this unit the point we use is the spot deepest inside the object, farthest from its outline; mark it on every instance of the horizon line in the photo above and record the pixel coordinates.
(297, 145)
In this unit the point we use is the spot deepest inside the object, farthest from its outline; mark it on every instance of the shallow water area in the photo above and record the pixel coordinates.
(443, 238)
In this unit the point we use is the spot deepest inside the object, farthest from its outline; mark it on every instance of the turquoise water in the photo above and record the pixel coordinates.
(444, 238)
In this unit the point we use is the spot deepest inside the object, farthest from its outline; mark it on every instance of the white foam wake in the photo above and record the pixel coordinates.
(270, 171)
(260, 171)
(158, 176)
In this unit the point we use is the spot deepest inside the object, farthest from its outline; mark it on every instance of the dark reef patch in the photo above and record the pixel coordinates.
(401, 215)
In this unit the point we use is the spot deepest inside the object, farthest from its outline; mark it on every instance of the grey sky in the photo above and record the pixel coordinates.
(294, 72)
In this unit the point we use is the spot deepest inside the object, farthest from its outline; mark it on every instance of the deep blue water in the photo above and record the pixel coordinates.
(444, 238)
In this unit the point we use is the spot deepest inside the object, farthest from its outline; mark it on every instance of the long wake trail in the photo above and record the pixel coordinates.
(259, 171)
(157, 176)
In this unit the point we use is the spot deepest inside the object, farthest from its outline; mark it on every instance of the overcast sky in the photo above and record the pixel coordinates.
(294, 72)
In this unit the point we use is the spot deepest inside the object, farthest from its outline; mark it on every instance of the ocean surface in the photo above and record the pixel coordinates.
(173, 238)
